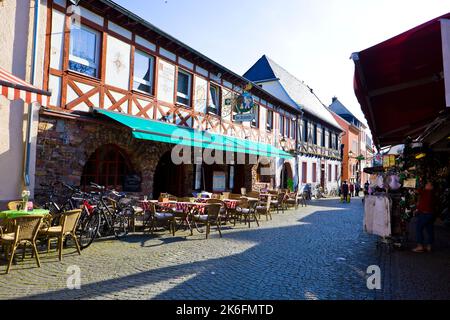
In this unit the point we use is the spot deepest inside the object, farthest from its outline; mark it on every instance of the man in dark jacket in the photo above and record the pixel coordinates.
(345, 190)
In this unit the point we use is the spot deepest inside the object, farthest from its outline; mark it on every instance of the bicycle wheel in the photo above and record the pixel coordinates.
(88, 228)
(121, 222)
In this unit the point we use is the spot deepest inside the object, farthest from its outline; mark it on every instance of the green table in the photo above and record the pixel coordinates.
(11, 214)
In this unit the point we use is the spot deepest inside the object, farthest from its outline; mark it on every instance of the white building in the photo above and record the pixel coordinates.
(318, 161)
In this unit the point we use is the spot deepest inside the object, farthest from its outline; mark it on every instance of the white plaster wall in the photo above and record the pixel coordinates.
(16, 35)
(309, 173)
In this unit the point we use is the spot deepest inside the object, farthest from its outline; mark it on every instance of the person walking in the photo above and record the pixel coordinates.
(366, 188)
(352, 189)
(357, 189)
(425, 219)
(345, 190)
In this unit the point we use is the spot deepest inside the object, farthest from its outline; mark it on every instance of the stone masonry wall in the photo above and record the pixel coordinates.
(64, 146)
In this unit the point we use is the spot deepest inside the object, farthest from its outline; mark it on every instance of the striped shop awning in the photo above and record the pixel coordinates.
(14, 88)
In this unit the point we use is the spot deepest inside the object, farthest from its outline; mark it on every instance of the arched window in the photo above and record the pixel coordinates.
(108, 166)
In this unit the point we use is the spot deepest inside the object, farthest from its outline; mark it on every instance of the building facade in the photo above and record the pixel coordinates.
(22, 38)
(357, 144)
(318, 147)
(103, 62)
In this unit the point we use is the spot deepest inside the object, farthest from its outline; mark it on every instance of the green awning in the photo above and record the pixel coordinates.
(146, 129)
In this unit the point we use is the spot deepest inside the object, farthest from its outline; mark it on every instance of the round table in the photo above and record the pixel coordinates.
(11, 214)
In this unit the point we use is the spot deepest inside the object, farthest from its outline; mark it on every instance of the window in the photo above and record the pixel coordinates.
(269, 119)
(108, 166)
(355, 147)
(336, 142)
(281, 125)
(330, 140)
(323, 137)
(305, 131)
(293, 127)
(255, 121)
(214, 105)
(143, 72)
(184, 88)
(304, 171)
(330, 173)
(336, 172)
(314, 172)
(84, 50)
(286, 127)
(315, 134)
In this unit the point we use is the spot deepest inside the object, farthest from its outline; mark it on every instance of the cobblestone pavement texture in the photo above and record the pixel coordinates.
(317, 252)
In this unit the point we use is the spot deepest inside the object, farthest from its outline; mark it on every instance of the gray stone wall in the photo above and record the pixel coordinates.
(64, 146)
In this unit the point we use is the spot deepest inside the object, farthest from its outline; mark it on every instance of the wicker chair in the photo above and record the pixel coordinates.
(263, 208)
(69, 221)
(15, 205)
(212, 217)
(226, 195)
(164, 217)
(235, 196)
(26, 229)
(253, 194)
(224, 216)
(279, 202)
(247, 209)
(292, 199)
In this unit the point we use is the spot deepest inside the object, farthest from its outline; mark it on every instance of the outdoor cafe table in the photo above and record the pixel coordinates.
(11, 214)
(189, 209)
(7, 215)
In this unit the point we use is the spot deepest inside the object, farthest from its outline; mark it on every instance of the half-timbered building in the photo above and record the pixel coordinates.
(124, 93)
(319, 143)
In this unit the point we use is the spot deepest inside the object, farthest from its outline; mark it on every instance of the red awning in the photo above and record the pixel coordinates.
(14, 88)
(400, 83)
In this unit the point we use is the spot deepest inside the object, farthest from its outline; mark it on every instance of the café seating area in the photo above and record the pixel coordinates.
(32, 231)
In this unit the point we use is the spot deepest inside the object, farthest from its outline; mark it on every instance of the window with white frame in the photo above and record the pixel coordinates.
(287, 126)
(269, 120)
(214, 98)
(293, 127)
(281, 125)
(305, 130)
(184, 88)
(84, 52)
(143, 72)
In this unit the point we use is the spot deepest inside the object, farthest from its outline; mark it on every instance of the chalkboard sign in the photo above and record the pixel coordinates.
(132, 183)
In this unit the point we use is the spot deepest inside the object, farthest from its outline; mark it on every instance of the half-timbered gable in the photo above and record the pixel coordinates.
(99, 55)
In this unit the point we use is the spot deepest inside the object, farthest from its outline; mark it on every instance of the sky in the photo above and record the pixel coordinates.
(312, 39)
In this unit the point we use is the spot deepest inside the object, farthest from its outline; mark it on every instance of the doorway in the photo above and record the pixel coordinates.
(169, 178)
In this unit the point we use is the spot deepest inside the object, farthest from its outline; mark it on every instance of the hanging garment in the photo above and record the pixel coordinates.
(394, 182)
(377, 215)
(380, 182)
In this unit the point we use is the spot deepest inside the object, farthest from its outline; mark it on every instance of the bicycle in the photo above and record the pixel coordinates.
(54, 205)
(100, 219)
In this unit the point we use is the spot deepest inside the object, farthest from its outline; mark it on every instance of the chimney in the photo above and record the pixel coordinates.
(333, 100)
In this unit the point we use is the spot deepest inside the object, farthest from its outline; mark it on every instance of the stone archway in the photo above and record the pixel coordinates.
(64, 147)
(286, 175)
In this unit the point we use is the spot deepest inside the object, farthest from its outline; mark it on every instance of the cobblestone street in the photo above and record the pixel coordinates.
(318, 252)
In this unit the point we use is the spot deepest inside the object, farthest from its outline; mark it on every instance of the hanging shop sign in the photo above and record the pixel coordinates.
(244, 108)
(377, 160)
(388, 161)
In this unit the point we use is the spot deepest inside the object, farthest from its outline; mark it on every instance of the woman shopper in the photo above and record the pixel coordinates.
(425, 219)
